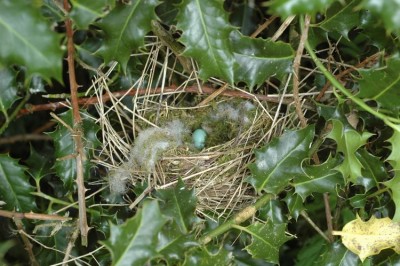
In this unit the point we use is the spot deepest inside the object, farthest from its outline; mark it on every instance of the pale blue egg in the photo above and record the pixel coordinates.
(199, 137)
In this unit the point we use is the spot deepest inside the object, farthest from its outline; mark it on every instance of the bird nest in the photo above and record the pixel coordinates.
(131, 120)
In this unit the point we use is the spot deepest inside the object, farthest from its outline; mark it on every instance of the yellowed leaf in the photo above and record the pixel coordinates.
(370, 237)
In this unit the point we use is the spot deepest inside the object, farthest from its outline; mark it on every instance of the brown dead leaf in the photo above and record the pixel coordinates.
(370, 237)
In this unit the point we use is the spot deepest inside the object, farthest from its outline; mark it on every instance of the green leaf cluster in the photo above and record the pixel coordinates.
(343, 163)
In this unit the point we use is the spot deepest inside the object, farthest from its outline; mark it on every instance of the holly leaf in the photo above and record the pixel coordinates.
(173, 244)
(287, 8)
(387, 11)
(28, 40)
(372, 172)
(311, 251)
(341, 18)
(179, 204)
(205, 33)
(124, 28)
(39, 164)
(382, 84)
(204, 257)
(260, 59)
(15, 189)
(273, 210)
(371, 237)
(348, 142)
(318, 178)
(337, 255)
(278, 162)
(134, 242)
(394, 185)
(394, 157)
(65, 166)
(8, 90)
(84, 12)
(294, 204)
(267, 238)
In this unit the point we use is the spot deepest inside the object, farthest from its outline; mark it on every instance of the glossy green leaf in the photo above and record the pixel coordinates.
(8, 90)
(39, 163)
(358, 201)
(382, 84)
(394, 157)
(273, 211)
(387, 11)
(179, 204)
(15, 188)
(338, 255)
(260, 59)
(292, 7)
(134, 242)
(27, 40)
(280, 161)
(172, 244)
(311, 251)
(204, 257)
(341, 18)
(348, 142)
(373, 170)
(125, 28)
(65, 165)
(84, 12)
(394, 185)
(205, 33)
(267, 238)
(319, 178)
(294, 204)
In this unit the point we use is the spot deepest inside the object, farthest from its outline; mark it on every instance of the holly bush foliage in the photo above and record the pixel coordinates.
(354, 134)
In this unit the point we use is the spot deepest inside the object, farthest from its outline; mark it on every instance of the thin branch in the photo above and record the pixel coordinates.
(27, 243)
(308, 219)
(171, 89)
(78, 130)
(263, 26)
(68, 250)
(282, 28)
(328, 215)
(24, 138)
(296, 70)
(33, 216)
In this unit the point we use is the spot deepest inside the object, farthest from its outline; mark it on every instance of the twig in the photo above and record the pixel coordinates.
(239, 218)
(33, 216)
(328, 215)
(171, 89)
(263, 26)
(24, 137)
(282, 28)
(27, 243)
(213, 95)
(78, 130)
(296, 67)
(71, 242)
(308, 219)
